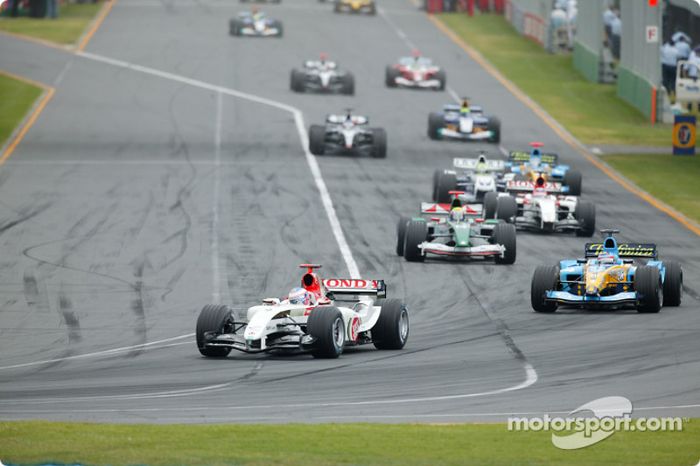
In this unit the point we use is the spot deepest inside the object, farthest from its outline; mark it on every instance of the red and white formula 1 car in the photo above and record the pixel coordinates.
(540, 205)
(415, 71)
(321, 317)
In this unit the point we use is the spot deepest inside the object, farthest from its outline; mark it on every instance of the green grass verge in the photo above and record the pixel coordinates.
(16, 98)
(72, 20)
(590, 111)
(330, 444)
(672, 179)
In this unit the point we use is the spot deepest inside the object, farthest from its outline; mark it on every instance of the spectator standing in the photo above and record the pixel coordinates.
(669, 60)
(682, 44)
(52, 9)
(608, 17)
(616, 34)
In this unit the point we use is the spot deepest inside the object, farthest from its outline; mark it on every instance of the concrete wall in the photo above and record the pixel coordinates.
(588, 44)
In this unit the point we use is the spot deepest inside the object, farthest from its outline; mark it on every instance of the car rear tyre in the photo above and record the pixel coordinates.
(673, 284)
(391, 330)
(504, 234)
(585, 215)
(573, 179)
(494, 125)
(490, 205)
(416, 233)
(446, 182)
(648, 288)
(348, 84)
(401, 234)
(545, 278)
(326, 325)
(442, 77)
(212, 321)
(506, 208)
(435, 123)
(378, 143)
(317, 139)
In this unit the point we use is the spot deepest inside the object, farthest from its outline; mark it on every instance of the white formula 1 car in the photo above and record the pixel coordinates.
(463, 123)
(475, 177)
(347, 133)
(322, 76)
(254, 24)
(321, 317)
(416, 71)
(541, 206)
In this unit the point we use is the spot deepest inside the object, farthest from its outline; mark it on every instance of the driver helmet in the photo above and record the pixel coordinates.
(535, 161)
(322, 58)
(299, 296)
(464, 109)
(481, 165)
(457, 214)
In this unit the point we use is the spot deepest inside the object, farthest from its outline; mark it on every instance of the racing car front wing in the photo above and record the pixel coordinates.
(474, 251)
(564, 297)
(530, 223)
(251, 31)
(292, 342)
(428, 83)
(452, 134)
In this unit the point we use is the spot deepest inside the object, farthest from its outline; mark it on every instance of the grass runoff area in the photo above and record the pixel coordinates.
(72, 20)
(16, 98)
(35, 442)
(590, 111)
(671, 179)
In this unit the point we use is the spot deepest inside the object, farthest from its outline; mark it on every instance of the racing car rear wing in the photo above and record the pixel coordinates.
(522, 156)
(470, 164)
(624, 250)
(355, 286)
(529, 186)
(433, 208)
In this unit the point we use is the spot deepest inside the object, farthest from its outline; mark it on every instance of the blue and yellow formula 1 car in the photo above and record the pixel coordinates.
(609, 278)
(528, 166)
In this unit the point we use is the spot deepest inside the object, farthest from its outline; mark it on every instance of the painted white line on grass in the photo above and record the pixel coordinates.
(301, 129)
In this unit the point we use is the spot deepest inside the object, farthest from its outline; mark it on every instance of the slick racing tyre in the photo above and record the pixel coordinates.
(490, 205)
(390, 76)
(545, 278)
(326, 325)
(442, 77)
(212, 320)
(673, 284)
(296, 81)
(435, 123)
(391, 330)
(494, 125)
(348, 84)
(280, 29)
(416, 233)
(378, 143)
(648, 287)
(504, 234)
(401, 234)
(446, 182)
(585, 215)
(573, 179)
(234, 28)
(506, 208)
(317, 139)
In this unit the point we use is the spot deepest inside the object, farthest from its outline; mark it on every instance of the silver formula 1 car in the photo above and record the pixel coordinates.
(253, 24)
(475, 177)
(416, 72)
(322, 317)
(456, 229)
(347, 133)
(463, 123)
(541, 206)
(322, 76)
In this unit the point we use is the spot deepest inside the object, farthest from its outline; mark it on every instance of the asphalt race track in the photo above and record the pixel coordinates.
(144, 192)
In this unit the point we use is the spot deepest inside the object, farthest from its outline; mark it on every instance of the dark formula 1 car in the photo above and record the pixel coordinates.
(531, 165)
(476, 177)
(347, 133)
(463, 123)
(609, 278)
(455, 230)
(416, 72)
(355, 6)
(254, 24)
(322, 76)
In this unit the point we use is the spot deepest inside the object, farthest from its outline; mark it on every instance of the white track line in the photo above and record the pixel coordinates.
(301, 129)
(109, 352)
(215, 265)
